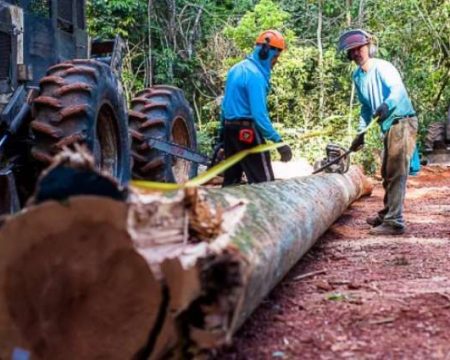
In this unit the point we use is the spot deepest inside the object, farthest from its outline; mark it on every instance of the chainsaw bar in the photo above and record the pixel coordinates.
(177, 150)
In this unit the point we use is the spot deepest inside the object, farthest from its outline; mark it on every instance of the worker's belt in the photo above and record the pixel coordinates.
(410, 116)
(240, 122)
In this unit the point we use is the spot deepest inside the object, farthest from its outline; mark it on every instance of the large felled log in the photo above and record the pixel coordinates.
(267, 228)
(163, 274)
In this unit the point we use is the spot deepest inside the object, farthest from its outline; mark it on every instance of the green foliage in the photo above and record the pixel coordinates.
(413, 35)
(295, 82)
(106, 18)
(370, 156)
(195, 43)
(206, 137)
(266, 15)
(417, 41)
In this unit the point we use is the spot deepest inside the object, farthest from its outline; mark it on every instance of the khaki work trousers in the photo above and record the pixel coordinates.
(399, 145)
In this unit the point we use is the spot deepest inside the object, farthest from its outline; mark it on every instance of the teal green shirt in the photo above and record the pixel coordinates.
(382, 83)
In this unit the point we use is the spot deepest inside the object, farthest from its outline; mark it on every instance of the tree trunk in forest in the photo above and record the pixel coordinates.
(192, 36)
(348, 12)
(361, 13)
(91, 277)
(321, 70)
(149, 72)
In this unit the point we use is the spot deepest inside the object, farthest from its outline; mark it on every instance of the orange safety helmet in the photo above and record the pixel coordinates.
(273, 38)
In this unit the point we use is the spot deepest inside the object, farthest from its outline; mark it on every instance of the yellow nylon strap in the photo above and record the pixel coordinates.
(226, 164)
(157, 186)
(372, 123)
(216, 169)
(207, 175)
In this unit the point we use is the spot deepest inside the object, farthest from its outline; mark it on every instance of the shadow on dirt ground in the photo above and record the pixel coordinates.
(357, 296)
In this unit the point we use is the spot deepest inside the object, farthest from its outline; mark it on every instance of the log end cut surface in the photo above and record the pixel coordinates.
(80, 292)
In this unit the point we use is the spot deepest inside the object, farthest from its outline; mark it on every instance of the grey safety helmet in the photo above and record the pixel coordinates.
(354, 38)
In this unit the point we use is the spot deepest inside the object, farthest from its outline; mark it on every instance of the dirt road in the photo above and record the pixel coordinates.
(357, 296)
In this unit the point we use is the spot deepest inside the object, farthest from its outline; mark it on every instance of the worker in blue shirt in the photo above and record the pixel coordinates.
(382, 95)
(245, 117)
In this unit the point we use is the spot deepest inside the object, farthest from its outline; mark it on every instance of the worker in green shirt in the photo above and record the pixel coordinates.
(383, 95)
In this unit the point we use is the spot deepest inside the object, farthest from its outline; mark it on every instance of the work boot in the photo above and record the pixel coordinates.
(385, 229)
(374, 220)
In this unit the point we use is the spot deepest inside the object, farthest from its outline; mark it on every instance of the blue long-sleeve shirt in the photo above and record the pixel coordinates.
(246, 91)
(382, 83)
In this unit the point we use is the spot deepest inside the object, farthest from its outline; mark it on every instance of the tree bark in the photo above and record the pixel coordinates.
(97, 278)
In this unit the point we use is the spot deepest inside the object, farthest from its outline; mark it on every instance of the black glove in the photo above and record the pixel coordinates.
(285, 153)
(357, 142)
(382, 112)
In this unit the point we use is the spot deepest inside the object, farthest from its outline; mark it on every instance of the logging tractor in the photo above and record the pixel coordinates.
(58, 89)
(437, 142)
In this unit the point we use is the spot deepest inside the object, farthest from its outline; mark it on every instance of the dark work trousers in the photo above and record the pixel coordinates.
(399, 145)
(257, 167)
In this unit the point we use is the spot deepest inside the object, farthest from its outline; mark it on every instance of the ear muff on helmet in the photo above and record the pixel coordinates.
(265, 48)
(373, 48)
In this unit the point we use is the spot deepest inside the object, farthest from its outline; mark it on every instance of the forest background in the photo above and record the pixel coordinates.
(192, 44)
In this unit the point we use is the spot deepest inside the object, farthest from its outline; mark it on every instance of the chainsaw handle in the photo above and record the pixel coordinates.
(216, 156)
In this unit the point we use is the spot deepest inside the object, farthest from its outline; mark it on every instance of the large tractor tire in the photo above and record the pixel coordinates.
(81, 101)
(161, 112)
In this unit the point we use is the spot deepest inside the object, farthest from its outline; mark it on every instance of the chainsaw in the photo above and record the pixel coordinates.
(337, 160)
(338, 157)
